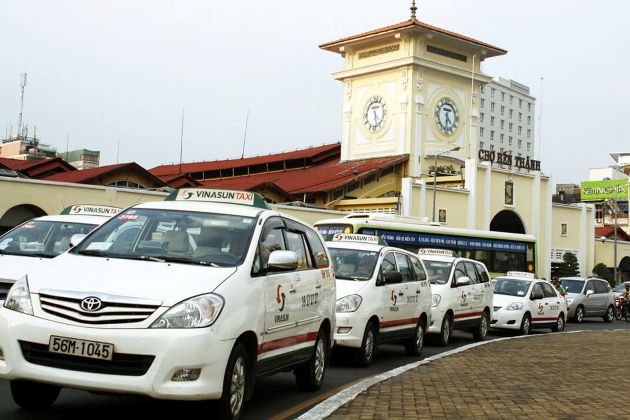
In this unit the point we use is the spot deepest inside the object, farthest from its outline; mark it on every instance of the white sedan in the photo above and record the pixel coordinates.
(522, 302)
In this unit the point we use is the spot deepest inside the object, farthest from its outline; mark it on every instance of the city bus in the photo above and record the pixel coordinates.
(499, 251)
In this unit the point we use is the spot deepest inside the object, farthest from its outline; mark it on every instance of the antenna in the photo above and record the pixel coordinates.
(540, 120)
(245, 136)
(181, 143)
(22, 86)
(118, 151)
(67, 149)
(413, 10)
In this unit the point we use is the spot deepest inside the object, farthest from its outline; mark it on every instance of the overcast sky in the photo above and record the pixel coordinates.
(101, 71)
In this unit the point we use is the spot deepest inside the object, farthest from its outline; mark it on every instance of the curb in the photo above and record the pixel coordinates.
(330, 405)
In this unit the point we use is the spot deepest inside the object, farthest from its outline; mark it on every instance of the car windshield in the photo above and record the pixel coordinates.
(353, 264)
(511, 287)
(439, 271)
(572, 285)
(39, 238)
(172, 236)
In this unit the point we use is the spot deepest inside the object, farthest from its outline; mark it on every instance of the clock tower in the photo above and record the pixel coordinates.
(411, 89)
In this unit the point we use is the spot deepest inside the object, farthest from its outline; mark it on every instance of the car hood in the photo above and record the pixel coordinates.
(168, 283)
(14, 267)
(349, 287)
(572, 295)
(505, 300)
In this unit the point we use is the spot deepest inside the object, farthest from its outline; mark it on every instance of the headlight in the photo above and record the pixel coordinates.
(348, 303)
(569, 301)
(435, 300)
(19, 298)
(198, 312)
(516, 306)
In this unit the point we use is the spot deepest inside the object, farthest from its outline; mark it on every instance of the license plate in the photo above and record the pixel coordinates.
(81, 348)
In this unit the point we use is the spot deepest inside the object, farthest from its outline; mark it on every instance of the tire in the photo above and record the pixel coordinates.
(610, 314)
(579, 314)
(415, 345)
(310, 375)
(526, 325)
(365, 354)
(480, 333)
(627, 316)
(618, 314)
(446, 331)
(560, 324)
(234, 384)
(34, 395)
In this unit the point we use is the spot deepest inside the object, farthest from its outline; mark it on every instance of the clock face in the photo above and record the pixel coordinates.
(446, 116)
(374, 114)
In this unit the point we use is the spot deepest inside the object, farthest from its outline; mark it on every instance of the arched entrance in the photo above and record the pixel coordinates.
(18, 214)
(624, 269)
(507, 221)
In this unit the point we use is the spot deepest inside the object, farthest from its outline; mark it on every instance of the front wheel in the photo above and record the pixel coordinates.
(579, 314)
(310, 375)
(414, 346)
(366, 353)
(445, 331)
(481, 331)
(610, 314)
(618, 314)
(234, 384)
(560, 324)
(526, 325)
(34, 395)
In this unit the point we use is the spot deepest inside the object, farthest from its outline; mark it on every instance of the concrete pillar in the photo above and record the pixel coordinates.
(470, 184)
(583, 238)
(422, 212)
(406, 196)
(487, 197)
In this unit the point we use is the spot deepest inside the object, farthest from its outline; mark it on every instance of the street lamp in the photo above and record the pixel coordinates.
(454, 149)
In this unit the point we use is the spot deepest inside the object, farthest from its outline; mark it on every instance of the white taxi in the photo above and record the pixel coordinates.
(523, 302)
(33, 242)
(462, 294)
(186, 299)
(383, 296)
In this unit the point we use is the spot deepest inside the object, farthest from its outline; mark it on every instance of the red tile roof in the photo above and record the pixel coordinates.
(85, 176)
(39, 168)
(313, 154)
(408, 24)
(323, 177)
(609, 232)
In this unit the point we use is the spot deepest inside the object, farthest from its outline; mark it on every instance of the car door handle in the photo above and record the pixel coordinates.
(417, 292)
(546, 303)
(319, 286)
(401, 294)
(292, 290)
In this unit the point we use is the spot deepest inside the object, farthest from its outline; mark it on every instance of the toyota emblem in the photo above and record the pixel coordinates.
(91, 304)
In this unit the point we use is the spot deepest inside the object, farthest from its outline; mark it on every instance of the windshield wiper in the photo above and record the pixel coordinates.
(337, 276)
(181, 260)
(93, 252)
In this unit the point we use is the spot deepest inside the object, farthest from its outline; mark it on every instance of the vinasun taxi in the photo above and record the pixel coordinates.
(523, 302)
(37, 240)
(383, 296)
(185, 299)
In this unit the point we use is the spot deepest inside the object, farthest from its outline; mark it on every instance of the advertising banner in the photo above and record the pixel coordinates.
(601, 190)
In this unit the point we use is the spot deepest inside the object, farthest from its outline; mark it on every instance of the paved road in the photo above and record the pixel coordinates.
(275, 396)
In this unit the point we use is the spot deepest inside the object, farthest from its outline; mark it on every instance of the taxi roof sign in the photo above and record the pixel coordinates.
(520, 274)
(355, 237)
(91, 210)
(436, 252)
(246, 198)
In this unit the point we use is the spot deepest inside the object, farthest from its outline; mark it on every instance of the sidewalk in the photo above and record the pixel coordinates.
(546, 376)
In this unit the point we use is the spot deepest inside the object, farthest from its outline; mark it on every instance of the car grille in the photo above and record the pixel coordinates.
(5, 285)
(114, 310)
(121, 364)
(496, 308)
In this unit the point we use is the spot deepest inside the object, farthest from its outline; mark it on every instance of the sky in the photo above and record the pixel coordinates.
(104, 73)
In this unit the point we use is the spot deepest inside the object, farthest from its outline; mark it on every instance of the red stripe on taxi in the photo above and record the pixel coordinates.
(399, 322)
(467, 315)
(286, 342)
(544, 319)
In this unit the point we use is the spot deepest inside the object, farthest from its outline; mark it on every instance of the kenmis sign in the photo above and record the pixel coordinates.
(600, 190)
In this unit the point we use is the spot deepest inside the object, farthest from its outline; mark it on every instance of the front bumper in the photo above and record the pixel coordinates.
(504, 319)
(354, 336)
(437, 314)
(173, 349)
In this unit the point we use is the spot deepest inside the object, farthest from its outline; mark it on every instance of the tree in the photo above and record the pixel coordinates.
(569, 265)
(601, 270)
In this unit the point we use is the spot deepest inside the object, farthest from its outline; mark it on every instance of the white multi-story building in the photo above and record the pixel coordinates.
(506, 119)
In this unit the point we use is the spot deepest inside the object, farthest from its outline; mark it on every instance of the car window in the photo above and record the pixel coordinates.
(472, 272)
(482, 272)
(418, 269)
(590, 285)
(389, 264)
(600, 287)
(42, 238)
(460, 271)
(510, 286)
(548, 290)
(319, 253)
(537, 290)
(353, 264)
(271, 240)
(405, 268)
(295, 243)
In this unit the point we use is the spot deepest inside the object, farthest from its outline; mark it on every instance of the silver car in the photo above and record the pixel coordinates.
(589, 297)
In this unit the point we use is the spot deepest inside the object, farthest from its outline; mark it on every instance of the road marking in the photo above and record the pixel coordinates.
(329, 406)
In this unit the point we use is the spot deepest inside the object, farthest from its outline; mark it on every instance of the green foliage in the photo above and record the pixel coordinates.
(569, 265)
(603, 271)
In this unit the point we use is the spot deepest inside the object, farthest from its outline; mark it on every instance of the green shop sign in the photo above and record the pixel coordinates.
(600, 190)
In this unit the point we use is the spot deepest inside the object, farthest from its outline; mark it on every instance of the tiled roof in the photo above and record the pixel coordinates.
(86, 175)
(313, 154)
(609, 232)
(323, 177)
(408, 24)
(39, 168)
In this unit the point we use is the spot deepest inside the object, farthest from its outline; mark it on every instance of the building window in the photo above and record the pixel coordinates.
(563, 229)
(502, 96)
(511, 113)
(529, 133)
(520, 130)
(491, 120)
(529, 120)
(501, 136)
(509, 193)
(520, 103)
(502, 124)
(492, 92)
(481, 145)
(481, 88)
(492, 106)
(529, 146)
(491, 135)
(481, 115)
(125, 184)
(492, 148)
(511, 99)
(502, 109)
(520, 116)
(510, 140)
(481, 131)
(502, 150)
(529, 106)
(511, 125)
(520, 143)
(482, 102)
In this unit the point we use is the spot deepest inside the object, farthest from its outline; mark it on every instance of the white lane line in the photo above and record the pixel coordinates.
(330, 405)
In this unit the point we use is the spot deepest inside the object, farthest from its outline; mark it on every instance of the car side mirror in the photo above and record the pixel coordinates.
(463, 281)
(536, 296)
(393, 277)
(589, 292)
(76, 239)
(283, 260)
